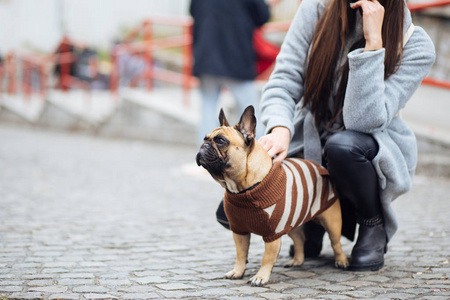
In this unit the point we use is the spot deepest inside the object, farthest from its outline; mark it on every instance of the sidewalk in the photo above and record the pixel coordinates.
(84, 217)
(140, 114)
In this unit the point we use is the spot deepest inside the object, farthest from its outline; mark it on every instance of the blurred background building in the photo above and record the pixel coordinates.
(123, 67)
(41, 24)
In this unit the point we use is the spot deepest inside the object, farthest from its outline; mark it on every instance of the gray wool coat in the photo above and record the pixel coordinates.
(371, 103)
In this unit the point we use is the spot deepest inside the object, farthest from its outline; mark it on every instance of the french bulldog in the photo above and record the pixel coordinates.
(268, 199)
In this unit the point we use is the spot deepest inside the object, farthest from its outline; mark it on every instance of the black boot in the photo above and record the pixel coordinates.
(368, 252)
(313, 239)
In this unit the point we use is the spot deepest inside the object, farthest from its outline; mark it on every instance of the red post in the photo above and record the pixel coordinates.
(26, 78)
(115, 72)
(64, 60)
(43, 81)
(11, 69)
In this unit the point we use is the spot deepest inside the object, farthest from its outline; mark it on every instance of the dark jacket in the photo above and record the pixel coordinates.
(223, 31)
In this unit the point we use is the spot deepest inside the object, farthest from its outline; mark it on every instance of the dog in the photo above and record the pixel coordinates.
(268, 199)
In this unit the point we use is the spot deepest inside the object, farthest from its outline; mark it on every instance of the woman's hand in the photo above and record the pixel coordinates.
(373, 15)
(276, 142)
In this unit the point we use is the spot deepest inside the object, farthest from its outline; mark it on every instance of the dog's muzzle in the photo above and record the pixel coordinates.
(208, 158)
(202, 153)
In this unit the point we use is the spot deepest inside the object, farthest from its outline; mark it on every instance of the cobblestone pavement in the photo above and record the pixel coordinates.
(90, 218)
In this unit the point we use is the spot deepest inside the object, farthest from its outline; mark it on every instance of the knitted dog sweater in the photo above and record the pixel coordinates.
(293, 193)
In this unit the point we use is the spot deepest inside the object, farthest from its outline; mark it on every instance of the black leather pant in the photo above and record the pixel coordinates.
(348, 157)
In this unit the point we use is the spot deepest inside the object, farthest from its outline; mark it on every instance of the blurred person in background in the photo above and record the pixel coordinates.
(224, 55)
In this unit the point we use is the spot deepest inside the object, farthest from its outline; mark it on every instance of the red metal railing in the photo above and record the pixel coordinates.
(23, 73)
(145, 50)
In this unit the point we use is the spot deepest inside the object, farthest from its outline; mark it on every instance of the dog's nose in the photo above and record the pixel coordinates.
(206, 146)
(198, 159)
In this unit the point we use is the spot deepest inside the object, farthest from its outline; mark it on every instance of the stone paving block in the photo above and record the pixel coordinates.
(360, 294)
(66, 265)
(280, 286)
(92, 264)
(137, 296)
(40, 282)
(27, 296)
(243, 298)
(11, 282)
(434, 298)
(397, 296)
(246, 289)
(75, 281)
(309, 282)
(275, 296)
(175, 286)
(214, 292)
(150, 279)
(333, 288)
(303, 292)
(336, 277)
(90, 289)
(99, 296)
(114, 282)
(49, 289)
(65, 296)
(136, 289)
(26, 266)
(376, 278)
(300, 274)
(12, 288)
(55, 270)
(77, 275)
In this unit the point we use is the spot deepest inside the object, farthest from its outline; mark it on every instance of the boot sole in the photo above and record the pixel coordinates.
(372, 267)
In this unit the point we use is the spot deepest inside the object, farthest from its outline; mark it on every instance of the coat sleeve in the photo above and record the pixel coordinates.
(371, 102)
(285, 86)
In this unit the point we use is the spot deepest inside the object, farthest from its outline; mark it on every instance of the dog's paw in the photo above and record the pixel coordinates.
(258, 281)
(294, 263)
(341, 263)
(234, 274)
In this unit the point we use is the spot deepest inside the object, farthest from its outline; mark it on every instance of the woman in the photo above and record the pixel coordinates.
(344, 72)
(340, 81)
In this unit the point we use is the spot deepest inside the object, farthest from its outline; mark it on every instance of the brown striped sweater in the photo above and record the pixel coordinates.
(292, 193)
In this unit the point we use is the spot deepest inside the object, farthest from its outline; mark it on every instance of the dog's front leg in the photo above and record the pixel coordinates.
(271, 252)
(242, 243)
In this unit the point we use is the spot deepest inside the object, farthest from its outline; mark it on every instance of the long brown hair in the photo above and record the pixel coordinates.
(327, 45)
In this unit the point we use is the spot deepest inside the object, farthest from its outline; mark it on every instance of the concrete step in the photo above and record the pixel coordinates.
(28, 108)
(93, 107)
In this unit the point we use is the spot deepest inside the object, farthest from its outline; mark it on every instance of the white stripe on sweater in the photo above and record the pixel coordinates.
(298, 183)
(287, 204)
(309, 187)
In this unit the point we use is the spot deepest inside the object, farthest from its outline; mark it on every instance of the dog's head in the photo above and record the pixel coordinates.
(225, 150)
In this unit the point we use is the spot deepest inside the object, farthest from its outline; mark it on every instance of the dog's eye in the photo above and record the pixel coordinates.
(219, 141)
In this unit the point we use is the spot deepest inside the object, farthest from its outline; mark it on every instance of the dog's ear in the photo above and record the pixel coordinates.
(222, 120)
(247, 124)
